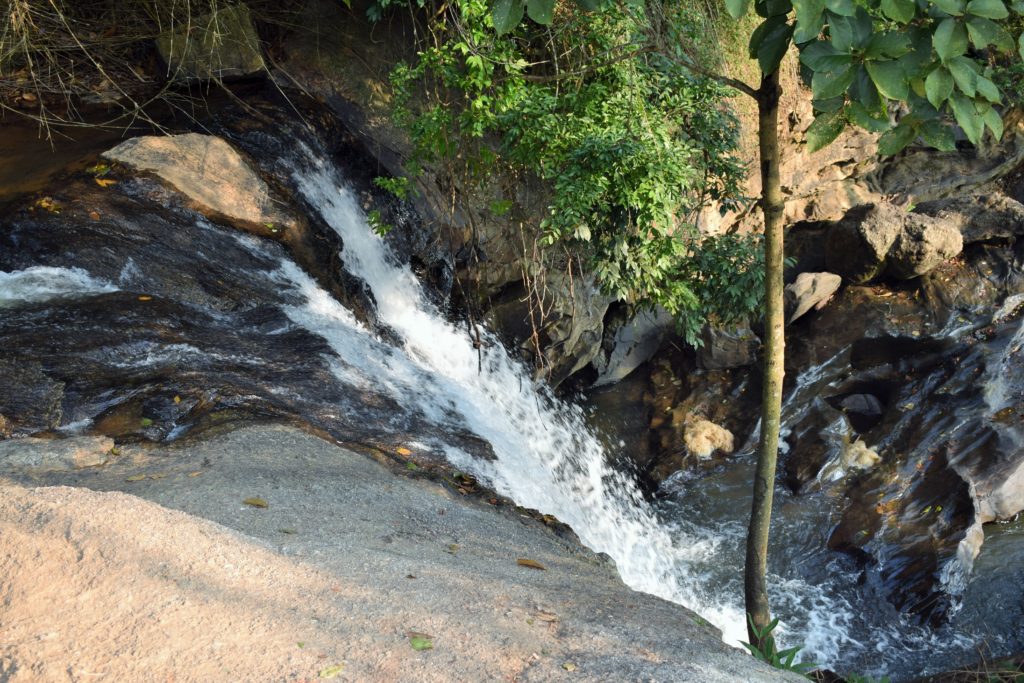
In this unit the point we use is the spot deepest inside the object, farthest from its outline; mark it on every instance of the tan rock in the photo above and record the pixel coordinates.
(55, 455)
(208, 171)
(221, 45)
(703, 437)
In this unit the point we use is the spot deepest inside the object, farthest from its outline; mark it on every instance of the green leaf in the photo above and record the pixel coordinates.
(899, 10)
(889, 78)
(863, 90)
(988, 90)
(938, 86)
(985, 32)
(737, 8)
(759, 34)
(990, 9)
(950, 39)
(420, 641)
(772, 8)
(506, 15)
(773, 48)
(1020, 45)
(890, 44)
(332, 671)
(954, 7)
(851, 32)
(824, 129)
(967, 117)
(964, 74)
(597, 5)
(823, 56)
(896, 139)
(845, 8)
(994, 123)
(938, 135)
(859, 115)
(809, 19)
(541, 11)
(828, 106)
(828, 84)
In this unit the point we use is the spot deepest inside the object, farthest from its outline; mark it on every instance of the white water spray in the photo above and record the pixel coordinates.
(43, 283)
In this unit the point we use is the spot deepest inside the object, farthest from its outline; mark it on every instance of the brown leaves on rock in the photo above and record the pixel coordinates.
(532, 564)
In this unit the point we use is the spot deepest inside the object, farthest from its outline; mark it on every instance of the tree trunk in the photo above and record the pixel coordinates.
(755, 589)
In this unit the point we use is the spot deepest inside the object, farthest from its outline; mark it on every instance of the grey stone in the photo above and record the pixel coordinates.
(55, 455)
(723, 349)
(857, 245)
(221, 45)
(924, 243)
(208, 171)
(630, 344)
(984, 217)
(810, 291)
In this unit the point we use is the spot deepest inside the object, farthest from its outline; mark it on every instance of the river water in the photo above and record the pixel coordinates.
(432, 379)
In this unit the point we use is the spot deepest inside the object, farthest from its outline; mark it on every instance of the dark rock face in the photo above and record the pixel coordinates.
(723, 349)
(190, 327)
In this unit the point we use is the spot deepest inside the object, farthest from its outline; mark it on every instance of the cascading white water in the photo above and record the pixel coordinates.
(546, 457)
(42, 283)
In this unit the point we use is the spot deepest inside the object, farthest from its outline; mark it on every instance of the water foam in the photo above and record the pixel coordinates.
(39, 284)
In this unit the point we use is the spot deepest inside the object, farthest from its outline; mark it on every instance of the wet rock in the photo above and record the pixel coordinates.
(810, 291)
(725, 348)
(222, 45)
(863, 410)
(55, 455)
(703, 437)
(29, 397)
(210, 174)
(923, 245)
(986, 217)
(628, 342)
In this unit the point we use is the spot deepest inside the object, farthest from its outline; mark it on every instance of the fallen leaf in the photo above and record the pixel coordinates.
(452, 548)
(256, 502)
(532, 564)
(420, 641)
(403, 451)
(28, 97)
(549, 617)
(332, 671)
(95, 215)
(411, 466)
(177, 399)
(136, 477)
(145, 297)
(98, 169)
(105, 182)
(159, 475)
(287, 531)
(410, 576)
(195, 474)
(146, 422)
(569, 666)
(301, 644)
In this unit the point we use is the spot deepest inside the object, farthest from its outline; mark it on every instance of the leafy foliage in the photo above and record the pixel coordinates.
(767, 652)
(631, 143)
(862, 59)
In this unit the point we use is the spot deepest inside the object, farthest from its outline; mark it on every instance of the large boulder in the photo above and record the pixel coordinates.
(215, 178)
(924, 243)
(857, 245)
(883, 239)
(985, 217)
(219, 46)
(726, 348)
